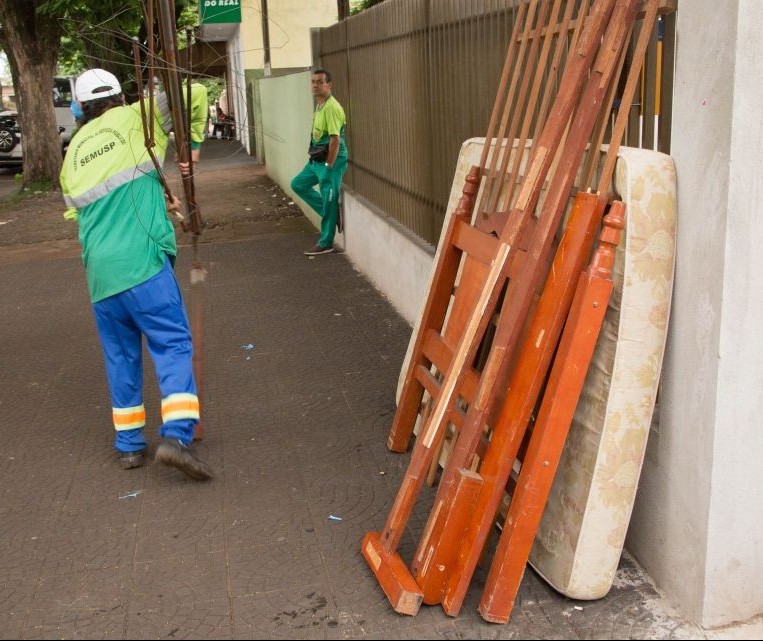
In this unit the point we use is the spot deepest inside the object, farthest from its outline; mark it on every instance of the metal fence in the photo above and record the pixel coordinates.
(419, 77)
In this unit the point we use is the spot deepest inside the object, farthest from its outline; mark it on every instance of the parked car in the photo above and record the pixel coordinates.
(63, 93)
(10, 132)
(10, 140)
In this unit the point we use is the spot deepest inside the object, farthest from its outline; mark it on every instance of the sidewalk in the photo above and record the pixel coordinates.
(301, 364)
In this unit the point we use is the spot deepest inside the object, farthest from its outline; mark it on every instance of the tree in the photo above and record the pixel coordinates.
(41, 36)
(98, 34)
(31, 40)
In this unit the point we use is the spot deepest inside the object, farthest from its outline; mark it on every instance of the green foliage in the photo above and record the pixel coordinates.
(30, 190)
(38, 187)
(362, 5)
(187, 17)
(97, 34)
(215, 87)
(101, 33)
(70, 58)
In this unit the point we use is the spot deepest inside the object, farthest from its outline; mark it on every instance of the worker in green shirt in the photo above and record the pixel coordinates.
(112, 189)
(327, 161)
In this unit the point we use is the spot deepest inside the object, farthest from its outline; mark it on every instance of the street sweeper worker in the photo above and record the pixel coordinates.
(129, 249)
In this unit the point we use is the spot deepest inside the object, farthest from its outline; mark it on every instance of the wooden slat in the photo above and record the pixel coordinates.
(432, 385)
(529, 111)
(441, 355)
(565, 25)
(524, 388)
(465, 296)
(394, 578)
(545, 449)
(433, 561)
(651, 9)
(428, 381)
(433, 316)
(491, 197)
(474, 242)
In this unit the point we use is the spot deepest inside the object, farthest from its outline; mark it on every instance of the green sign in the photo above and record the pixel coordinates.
(220, 11)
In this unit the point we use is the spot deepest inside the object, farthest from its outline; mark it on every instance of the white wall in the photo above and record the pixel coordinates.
(698, 519)
(287, 112)
(236, 88)
(289, 29)
(290, 23)
(394, 260)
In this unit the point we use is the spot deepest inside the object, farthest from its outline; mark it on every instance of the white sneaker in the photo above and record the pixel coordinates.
(318, 250)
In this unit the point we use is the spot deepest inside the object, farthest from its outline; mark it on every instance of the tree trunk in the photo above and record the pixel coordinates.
(33, 41)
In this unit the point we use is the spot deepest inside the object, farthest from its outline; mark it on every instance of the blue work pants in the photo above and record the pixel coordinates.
(153, 309)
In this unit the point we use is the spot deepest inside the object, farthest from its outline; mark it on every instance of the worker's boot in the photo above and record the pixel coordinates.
(129, 460)
(173, 453)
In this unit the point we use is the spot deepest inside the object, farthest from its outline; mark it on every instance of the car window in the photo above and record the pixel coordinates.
(62, 93)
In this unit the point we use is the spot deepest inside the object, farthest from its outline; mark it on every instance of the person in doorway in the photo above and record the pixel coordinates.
(327, 162)
(128, 244)
(222, 124)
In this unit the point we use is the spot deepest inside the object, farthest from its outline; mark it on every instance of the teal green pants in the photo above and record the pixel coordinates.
(325, 202)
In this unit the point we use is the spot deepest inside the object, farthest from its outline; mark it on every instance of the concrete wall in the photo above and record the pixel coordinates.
(289, 28)
(290, 23)
(287, 108)
(697, 521)
(287, 112)
(394, 260)
(253, 86)
(237, 89)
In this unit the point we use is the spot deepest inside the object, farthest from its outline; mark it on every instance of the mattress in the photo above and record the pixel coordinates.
(581, 536)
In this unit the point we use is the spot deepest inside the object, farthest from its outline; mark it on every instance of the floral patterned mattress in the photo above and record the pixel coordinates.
(579, 542)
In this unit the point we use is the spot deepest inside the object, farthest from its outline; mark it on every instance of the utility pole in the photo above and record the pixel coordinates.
(343, 9)
(266, 37)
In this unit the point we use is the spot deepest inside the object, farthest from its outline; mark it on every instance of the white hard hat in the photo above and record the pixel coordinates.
(96, 83)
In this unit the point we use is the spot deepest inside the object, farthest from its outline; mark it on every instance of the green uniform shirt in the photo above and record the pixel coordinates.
(109, 178)
(329, 120)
